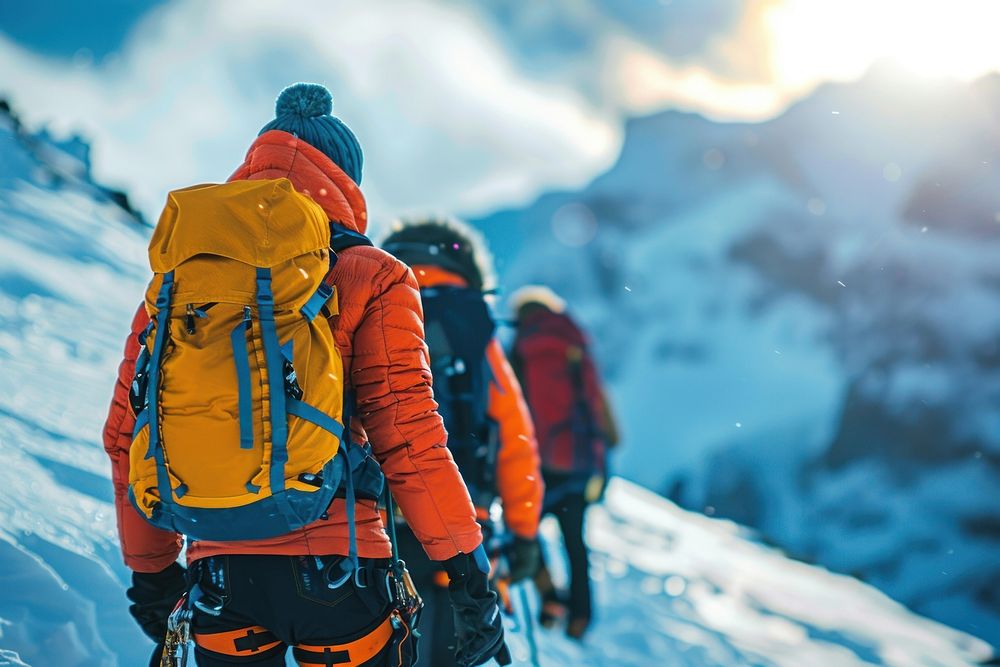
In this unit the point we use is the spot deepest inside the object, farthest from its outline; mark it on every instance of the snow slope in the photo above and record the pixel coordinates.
(677, 588)
(70, 270)
(672, 587)
(799, 322)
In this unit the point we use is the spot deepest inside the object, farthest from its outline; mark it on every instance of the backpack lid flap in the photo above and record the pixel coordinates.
(261, 223)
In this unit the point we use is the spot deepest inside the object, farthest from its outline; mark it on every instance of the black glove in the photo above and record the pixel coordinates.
(478, 623)
(154, 597)
(523, 557)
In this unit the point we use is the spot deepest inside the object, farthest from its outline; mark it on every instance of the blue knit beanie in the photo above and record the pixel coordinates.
(304, 109)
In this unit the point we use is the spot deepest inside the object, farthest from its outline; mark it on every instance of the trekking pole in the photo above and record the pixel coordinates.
(529, 627)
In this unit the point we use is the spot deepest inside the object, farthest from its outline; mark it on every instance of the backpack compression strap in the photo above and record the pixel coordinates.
(153, 390)
(241, 357)
(276, 380)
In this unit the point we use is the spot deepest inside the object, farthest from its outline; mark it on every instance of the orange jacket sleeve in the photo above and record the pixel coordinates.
(519, 479)
(145, 547)
(391, 376)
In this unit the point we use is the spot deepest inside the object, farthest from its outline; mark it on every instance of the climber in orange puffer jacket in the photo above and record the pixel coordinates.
(490, 431)
(270, 591)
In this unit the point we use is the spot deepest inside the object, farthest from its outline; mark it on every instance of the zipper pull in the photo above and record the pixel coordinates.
(246, 318)
(189, 319)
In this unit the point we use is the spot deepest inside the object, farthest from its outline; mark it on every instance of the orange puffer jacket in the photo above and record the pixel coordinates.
(518, 473)
(379, 333)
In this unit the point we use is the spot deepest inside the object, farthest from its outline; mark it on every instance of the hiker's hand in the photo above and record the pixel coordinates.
(478, 623)
(523, 557)
(154, 596)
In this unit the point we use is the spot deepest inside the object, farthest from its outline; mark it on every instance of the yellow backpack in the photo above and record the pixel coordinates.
(239, 389)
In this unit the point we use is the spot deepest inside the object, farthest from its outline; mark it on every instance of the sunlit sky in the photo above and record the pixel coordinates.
(811, 38)
(781, 49)
(459, 105)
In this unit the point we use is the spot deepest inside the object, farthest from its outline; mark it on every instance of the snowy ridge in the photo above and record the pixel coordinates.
(672, 587)
(70, 271)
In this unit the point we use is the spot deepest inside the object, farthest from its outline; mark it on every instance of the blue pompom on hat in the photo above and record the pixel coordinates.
(304, 109)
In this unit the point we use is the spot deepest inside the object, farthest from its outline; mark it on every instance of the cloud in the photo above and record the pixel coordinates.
(739, 59)
(464, 105)
(445, 119)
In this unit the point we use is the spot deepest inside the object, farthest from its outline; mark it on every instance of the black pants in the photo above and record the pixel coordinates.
(569, 510)
(436, 646)
(262, 605)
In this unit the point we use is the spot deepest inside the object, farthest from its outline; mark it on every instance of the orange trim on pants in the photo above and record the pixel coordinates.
(228, 643)
(352, 653)
(441, 579)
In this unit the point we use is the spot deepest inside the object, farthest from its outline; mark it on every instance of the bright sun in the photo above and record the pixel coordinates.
(792, 45)
(836, 39)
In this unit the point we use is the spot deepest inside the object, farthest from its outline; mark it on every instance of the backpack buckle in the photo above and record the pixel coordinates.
(292, 387)
(140, 381)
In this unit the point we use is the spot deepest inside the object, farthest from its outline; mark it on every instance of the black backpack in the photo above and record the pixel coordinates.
(459, 328)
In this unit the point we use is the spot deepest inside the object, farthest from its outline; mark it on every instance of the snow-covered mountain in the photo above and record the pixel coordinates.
(673, 587)
(800, 322)
(71, 267)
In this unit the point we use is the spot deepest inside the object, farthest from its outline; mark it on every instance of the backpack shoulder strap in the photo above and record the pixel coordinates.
(341, 238)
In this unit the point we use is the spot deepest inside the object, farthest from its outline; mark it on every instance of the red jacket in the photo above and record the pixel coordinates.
(379, 333)
(572, 418)
(519, 479)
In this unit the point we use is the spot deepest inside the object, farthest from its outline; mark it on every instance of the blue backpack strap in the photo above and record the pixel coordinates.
(351, 500)
(241, 357)
(317, 300)
(350, 503)
(276, 385)
(303, 410)
(341, 238)
(141, 420)
(350, 566)
(153, 387)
